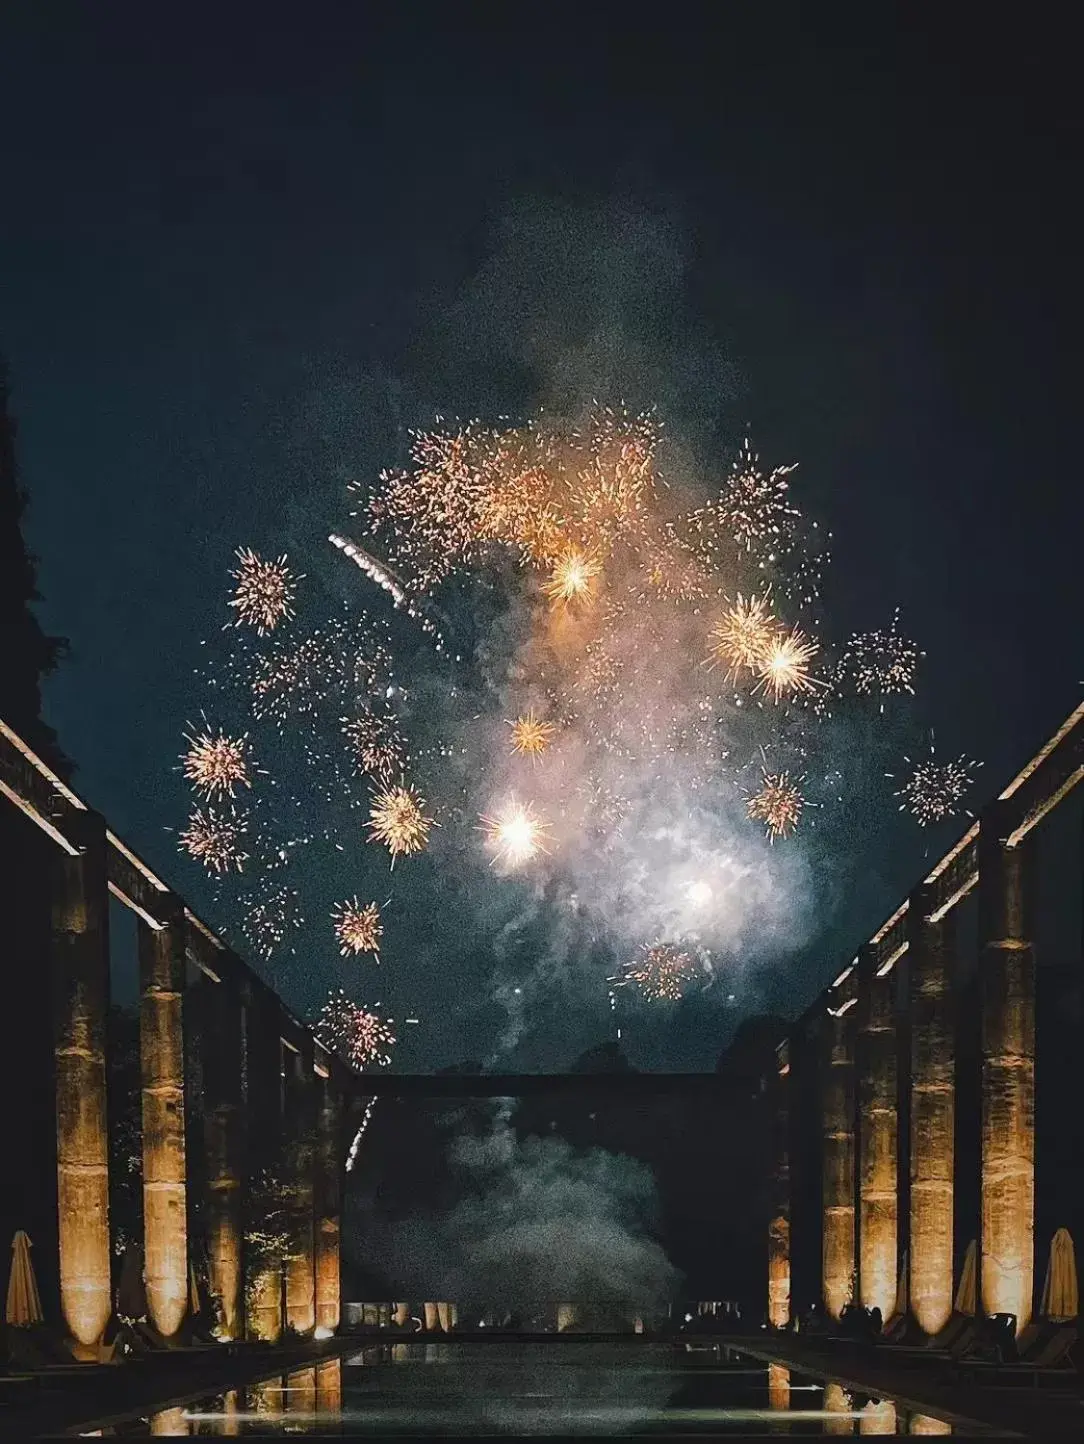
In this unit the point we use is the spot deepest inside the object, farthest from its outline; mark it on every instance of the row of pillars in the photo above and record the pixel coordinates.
(262, 1101)
(861, 1145)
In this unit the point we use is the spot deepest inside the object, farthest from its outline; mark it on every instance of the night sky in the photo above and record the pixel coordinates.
(242, 248)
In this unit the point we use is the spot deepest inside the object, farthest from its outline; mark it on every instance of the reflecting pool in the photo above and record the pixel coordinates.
(544, 1389)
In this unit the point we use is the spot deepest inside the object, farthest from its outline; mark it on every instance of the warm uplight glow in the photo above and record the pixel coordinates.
(933, 1106)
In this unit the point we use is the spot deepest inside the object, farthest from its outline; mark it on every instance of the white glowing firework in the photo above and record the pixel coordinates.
(573, 577)
(882, 663)
(660, 973)
(785, 667)
(744, 637)
(264, 594)
(398, 819)
(358, 928)
(516, 834)
(361, 1038)
(216, 839)
(934, 791)
(777, 804)
(215, 763)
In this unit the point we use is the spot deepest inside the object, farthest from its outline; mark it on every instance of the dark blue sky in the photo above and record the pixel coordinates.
(242, 246)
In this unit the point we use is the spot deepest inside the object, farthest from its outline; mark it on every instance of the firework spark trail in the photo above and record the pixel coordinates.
(881, 663)
(361, 1038)
(530, 735)
(264, 594)
(516, 834)
(271, 911)
(660, 973)
(744, 637)
(358, 928)
(216, 839)
(785, 667)
(215, 762)
(573, 577)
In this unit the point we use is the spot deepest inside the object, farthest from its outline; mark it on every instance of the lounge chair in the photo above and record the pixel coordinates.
(1045, 1358)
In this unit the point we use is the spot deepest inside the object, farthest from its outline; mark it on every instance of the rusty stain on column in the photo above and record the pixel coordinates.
(80, 962)
(1007, 964)
(877, 1140)
(300, 1128)
(223, 1154)
(328, 1207)
(933, 1111)
(779, 1224)
(837, 1102)
(161, 1048)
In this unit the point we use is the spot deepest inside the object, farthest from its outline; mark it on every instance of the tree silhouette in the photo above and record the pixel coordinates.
(28, 653)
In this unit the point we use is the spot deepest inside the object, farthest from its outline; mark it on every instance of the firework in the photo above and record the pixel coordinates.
(777, 804)
(516, 834)
(530, 735)
(270, 912)
(881, 663)
(785, 667)
(754, 509)
(215, 762)
(358, 929)
(376, 744)
(745, 637)
(341, 661)
(264, 594)
(397, 819)
(215, 839)
(933, 791)
(660, 973)
(359, 1037)
(573, 577)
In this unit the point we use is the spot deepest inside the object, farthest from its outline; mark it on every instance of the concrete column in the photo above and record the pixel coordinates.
(329, 1167)
(80, 967)
(779, 1224)
(878, 1136)
(1007, 967)
(263, 1131)
(161, 1051)
(223, 1152)
(837, 1102)
(933, 1111)
(300, 1130)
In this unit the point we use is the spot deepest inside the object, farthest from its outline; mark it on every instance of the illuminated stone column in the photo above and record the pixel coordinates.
(779, 1224)
(161, 1051)
(837, 1104)
(877, 1136)
(933, 1111)
(223, 1151)
(80, 986)
(329, 1167)
(300, 1131)
(1007, 964)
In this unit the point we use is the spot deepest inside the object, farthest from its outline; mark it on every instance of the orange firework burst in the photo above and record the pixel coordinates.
(264, 593)
(530, 735)
(516, 834)
(357, 929)
(397, 819)
(746, 635)
(778, 804)
(785, 668)
(573, 577)
(660, 973)
(215, 762)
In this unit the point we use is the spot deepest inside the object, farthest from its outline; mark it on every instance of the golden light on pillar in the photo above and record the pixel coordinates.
(161, 1047)
(878, 1417)
(328, 1207)
(263, 1194)
(779, 1224)
(299, 1126)
(222, 1036)
(838, 1410)
(933, 1112)
(778, 1386)
(80, 966)
(877, 1144)
(1007, 964)
(837, 1104)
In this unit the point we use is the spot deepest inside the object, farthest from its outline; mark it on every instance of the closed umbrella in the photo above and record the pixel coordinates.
(1061, 1294)
(967, 1294)
(24, 1302)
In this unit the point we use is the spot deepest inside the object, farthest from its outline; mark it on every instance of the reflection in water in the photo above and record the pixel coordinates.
(778, 1386)
(329, 1386)
(837, 1401)
(231, 1410)
(264, 1397)
(926, 1424)
(878, 1418)
(169, 1421)
(299, 1398)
